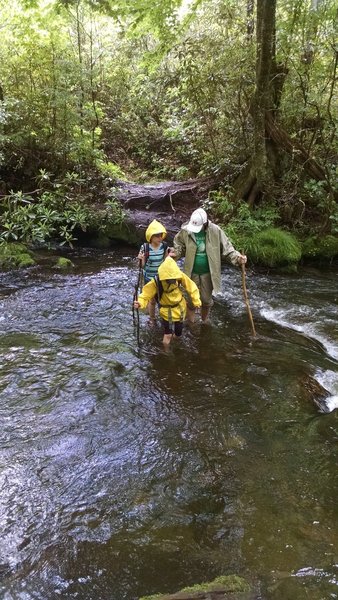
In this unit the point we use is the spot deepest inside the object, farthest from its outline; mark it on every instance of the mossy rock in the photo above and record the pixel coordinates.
(25, 260)
(225, 586)
(100, 241)
(320, 248)
(13, 256)
(124, 232)
(107, 234)
(274, 247)
(64, 264)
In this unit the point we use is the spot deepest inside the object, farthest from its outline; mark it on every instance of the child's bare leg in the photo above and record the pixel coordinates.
(167, 338)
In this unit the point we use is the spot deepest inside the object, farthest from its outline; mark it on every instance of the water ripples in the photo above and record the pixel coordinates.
(117, 461)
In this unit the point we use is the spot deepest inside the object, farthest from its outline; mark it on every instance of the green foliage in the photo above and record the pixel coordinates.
(320, 248)
(334, 218)
(317, 194)
(55, 214)
(110, 170)
(50, 111)
(273, 248)
(158, 90)
(40, 221)
(242, 221)
(180, 113)
(114, 213)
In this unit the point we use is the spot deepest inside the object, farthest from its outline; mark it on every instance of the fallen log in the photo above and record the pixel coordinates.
(171, 202)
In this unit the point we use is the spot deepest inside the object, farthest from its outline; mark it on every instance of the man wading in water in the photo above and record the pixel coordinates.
(203, 244)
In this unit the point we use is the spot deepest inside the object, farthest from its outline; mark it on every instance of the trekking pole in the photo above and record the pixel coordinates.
(136, 319)
(247, 300)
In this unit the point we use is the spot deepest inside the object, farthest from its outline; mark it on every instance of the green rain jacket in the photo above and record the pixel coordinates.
(218, 246)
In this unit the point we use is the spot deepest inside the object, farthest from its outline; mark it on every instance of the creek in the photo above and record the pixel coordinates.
(129, 470)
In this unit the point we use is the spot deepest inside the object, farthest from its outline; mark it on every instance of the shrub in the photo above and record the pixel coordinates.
(273, 247)
(320, 248)
(242, 221)
(56, 214)
(109, 169)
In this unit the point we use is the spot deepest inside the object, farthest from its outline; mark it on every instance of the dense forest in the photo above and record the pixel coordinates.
(236, 92)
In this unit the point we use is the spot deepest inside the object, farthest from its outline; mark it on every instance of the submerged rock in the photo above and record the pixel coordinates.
(316, 393)
(226, 587)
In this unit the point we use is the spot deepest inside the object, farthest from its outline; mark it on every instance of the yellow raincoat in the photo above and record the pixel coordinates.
(173, 306)
(153, 228)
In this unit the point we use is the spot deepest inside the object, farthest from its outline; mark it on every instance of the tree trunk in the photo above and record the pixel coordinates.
(262, 101)
(250, 24)
(80, 57)
(254, 179)
(269, 139)
(283, 140)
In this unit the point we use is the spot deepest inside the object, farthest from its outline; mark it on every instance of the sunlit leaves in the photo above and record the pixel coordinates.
(163, 86)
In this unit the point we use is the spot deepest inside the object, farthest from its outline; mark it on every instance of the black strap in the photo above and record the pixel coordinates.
(146, 251)
(159, 294)
(159, 288)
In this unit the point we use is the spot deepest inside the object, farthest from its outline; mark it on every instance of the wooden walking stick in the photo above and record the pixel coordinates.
(135, 297)
(247, 300)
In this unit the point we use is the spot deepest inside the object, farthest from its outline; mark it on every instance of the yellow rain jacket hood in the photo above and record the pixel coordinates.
(153, 228)
(169, 270)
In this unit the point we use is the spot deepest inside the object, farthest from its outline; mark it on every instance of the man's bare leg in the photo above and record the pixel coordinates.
(190, 315)
(205, 313)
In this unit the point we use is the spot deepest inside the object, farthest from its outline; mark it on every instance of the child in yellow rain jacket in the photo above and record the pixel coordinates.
(173, 307)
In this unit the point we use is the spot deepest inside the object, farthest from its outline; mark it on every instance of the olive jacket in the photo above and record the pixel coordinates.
(218, 246)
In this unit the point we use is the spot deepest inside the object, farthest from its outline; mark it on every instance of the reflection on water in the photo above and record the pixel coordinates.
(126, 470)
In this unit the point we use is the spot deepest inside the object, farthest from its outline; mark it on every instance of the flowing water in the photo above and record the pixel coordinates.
(129, 470)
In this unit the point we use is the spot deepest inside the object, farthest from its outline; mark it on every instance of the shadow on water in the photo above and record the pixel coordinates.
(127, 470)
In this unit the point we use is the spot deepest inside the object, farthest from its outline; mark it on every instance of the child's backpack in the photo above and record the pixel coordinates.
(159, 287)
